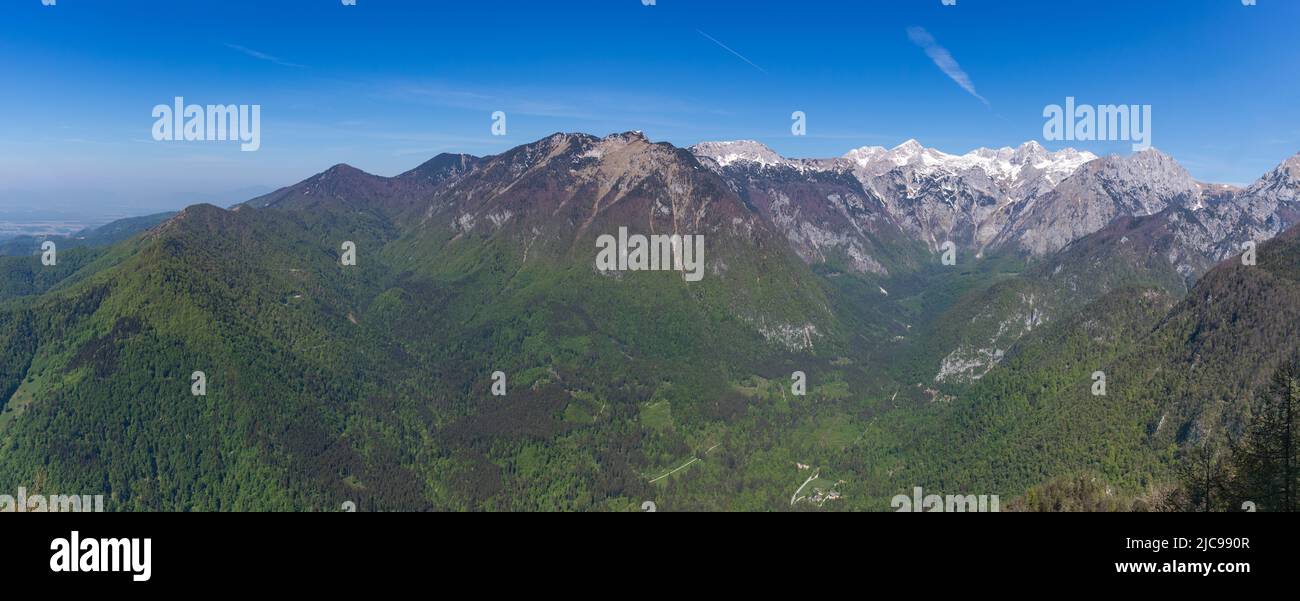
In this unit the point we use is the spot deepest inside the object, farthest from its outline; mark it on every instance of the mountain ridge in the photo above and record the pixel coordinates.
(373, 382)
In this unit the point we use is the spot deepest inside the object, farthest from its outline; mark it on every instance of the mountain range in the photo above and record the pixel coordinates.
(376, 382)
(1029, 200)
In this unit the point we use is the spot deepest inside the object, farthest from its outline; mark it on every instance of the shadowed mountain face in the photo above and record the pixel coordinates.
(1176, 372)
(376, 382)
(548, 203)
(344, 186)
(571, 188)
(1168, 250)
(1089, 225)
(1024, 200)
(1131, 252)
(935, 197)
(1095, 195)
(824, 212)
(968, 199)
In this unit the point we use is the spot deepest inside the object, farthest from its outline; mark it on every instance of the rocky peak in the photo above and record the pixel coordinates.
(738, 151)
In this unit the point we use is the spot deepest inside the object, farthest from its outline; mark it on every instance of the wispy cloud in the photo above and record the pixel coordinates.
(601, 107)
(511, 101)
(943, 59)
(263, 56)
(728, 49)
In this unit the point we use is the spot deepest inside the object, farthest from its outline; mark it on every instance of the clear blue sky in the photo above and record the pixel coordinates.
(386, 84)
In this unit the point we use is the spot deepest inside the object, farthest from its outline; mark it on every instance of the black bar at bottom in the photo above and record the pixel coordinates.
(220, 553)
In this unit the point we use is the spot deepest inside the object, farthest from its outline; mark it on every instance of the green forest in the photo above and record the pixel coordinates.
(372, 384)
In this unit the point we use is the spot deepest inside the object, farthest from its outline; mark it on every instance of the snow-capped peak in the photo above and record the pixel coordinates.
(911, 152)
(736, 151)
(1025, 169)
(877, 160)
(1000, 164)
(909, 147)
(865, 155)
(1031, 146)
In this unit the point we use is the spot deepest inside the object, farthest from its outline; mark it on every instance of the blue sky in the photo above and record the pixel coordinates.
(387, 84)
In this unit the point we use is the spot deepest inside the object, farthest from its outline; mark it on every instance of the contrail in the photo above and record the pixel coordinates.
(262, 56)
(724, 47)
(943, 60)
